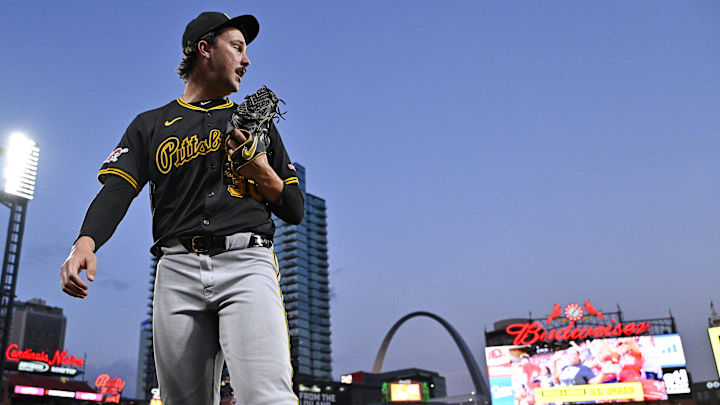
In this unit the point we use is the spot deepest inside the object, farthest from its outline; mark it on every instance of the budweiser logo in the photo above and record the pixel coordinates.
(60, 358)
(529, 333)
(532, 332)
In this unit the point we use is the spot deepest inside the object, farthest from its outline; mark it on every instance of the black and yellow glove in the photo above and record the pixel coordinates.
(252, 118)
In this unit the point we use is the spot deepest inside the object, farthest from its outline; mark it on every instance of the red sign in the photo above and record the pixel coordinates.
(532, 332)
(110, 389)
(60, 358)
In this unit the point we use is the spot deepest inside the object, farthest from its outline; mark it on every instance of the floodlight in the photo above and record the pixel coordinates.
(21, 162)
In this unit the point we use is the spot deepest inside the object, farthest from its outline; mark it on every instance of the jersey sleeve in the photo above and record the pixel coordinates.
(280, 160)
(129, 160)
(107, 210)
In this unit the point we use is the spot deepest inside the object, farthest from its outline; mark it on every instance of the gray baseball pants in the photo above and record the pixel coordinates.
(229, 307)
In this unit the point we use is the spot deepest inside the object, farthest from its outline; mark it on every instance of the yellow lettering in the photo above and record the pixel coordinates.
(173, 152)
(203, 147)
(185, 153)
(163, 156)
(215, 139)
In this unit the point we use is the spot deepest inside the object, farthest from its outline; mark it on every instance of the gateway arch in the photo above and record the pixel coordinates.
(477, 376)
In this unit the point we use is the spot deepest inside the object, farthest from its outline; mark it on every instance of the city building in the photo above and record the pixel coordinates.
(38, 369)
(302, 252)
(147, 376)
(38, 326)
(434, 382)
(144, 356)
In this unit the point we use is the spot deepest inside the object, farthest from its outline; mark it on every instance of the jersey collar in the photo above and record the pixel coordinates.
(192, 107)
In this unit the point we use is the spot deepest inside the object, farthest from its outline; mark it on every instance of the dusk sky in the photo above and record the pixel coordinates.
(479, 160)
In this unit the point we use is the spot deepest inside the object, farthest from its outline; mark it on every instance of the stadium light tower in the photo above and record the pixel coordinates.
(21, 162)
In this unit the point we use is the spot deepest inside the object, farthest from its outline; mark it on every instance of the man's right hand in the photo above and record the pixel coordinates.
(81, 257)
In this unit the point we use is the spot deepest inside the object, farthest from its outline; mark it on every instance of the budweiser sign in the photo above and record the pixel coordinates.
(532, 332)
(13, 353)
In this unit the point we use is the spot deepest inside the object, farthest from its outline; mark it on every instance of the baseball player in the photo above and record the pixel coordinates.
(216, 296)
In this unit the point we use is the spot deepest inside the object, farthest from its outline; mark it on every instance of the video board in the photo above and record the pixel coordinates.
(410, 392)
(638, 368)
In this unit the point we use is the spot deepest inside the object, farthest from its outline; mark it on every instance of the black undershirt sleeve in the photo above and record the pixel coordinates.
(290, 207)
(107, 210)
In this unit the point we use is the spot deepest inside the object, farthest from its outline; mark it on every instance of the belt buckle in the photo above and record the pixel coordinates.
(260, 241)
(196, 249)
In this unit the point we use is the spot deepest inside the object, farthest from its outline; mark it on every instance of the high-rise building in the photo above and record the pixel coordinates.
(302, 252)
(37, 326)
(144, 356)
(147, 376)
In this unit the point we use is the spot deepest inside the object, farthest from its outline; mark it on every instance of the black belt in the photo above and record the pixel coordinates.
(211, 245)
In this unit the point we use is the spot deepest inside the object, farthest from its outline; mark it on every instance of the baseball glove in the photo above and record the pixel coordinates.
(252, 117)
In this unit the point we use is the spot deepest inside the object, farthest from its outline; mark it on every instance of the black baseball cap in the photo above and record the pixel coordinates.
(212, 20)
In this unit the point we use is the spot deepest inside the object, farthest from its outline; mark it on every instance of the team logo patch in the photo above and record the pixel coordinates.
(116, 154)
(291, 166)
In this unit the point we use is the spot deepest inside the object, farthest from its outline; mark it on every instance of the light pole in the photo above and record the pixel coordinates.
(21, 162)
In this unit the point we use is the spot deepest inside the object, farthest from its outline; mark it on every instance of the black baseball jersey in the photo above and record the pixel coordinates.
(179, 150)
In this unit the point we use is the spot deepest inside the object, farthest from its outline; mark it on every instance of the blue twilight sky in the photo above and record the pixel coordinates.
(479, 159)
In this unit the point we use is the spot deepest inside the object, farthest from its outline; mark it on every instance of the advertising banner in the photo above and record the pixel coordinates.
(676, 381)
(670, 350)
(60, 363)
(39, 391)
(592, 392)
(501, 391)
(110, 389)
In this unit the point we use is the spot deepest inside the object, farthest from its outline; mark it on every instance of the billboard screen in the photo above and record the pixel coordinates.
(617, 370)
(405, 392)
(714, 334)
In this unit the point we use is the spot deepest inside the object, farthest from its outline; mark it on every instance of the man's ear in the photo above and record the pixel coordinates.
(203, 49)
